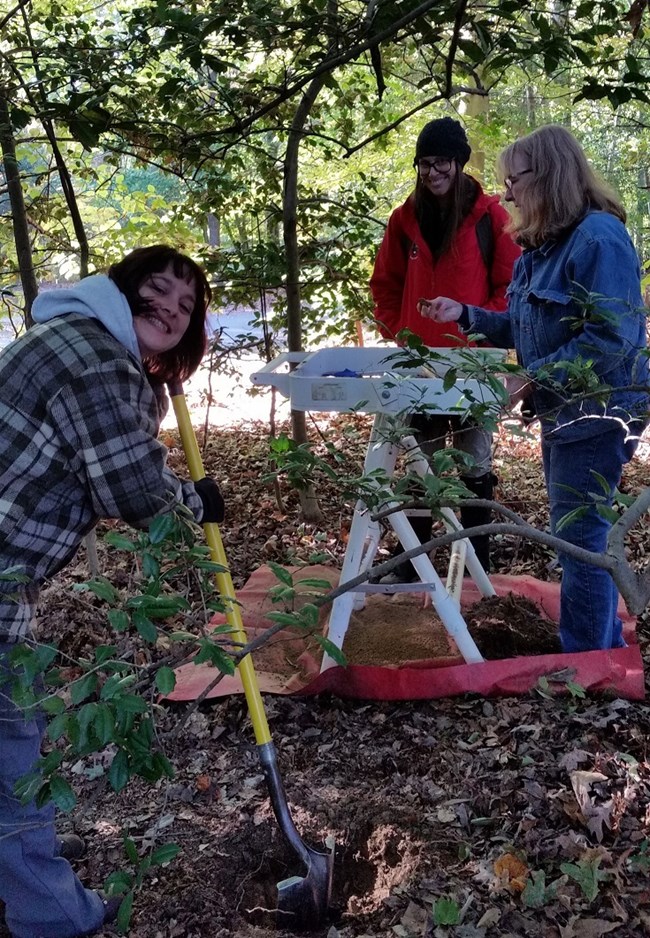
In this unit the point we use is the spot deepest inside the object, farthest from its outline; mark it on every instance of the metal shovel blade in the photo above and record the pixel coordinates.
(303, 901)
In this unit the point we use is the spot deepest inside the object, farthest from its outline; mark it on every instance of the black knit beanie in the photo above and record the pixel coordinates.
(443, 137)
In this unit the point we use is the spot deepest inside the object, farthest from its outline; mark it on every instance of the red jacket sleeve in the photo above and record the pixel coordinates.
(505, 254)
(388, 277)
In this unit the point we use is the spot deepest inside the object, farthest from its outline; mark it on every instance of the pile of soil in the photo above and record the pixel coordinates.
(508, 626)
(402, 629)
(393, 630)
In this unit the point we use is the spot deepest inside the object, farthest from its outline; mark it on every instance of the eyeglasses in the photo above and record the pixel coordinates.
(511, 180)
(441, 165)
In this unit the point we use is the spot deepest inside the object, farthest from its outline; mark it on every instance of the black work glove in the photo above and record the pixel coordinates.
(213, 503)
(528, 412)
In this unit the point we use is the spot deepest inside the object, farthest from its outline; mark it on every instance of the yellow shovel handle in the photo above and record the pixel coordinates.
(224, 580)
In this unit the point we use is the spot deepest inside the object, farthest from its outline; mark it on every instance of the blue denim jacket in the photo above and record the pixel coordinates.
(577, 299)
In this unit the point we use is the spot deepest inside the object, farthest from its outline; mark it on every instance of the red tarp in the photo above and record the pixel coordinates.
(289, 664)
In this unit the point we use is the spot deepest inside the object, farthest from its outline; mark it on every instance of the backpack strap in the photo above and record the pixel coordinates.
(485, 238)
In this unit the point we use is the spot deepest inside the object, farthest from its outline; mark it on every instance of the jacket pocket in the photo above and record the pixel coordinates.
(554, 319)
(537, 295)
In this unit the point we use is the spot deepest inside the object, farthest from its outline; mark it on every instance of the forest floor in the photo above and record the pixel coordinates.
(466, 817)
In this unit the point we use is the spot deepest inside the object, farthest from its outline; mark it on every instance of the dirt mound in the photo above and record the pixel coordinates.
(508, 626)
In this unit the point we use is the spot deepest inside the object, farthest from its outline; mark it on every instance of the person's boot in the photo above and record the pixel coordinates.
(405, 572)
(470, 517)
(71, 847)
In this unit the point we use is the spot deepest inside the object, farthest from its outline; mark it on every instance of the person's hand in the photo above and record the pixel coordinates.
(212, 499)
(440, 309)
(518, 387)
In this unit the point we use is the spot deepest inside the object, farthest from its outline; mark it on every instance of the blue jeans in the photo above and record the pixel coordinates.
(41, 892)
(588, 597)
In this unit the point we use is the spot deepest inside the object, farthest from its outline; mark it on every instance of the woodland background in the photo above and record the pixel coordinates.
(272, 141)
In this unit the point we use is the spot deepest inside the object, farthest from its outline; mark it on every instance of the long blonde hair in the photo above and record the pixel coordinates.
(561, 187)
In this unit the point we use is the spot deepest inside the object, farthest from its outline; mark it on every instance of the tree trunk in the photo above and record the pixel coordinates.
(62, 169)
(475, 106)
(18, 211)
(308, 501)
(213, 230)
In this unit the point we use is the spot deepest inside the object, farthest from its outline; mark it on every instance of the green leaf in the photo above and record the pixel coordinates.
(51, 761)
(450, 379)
(62, 794)
(164, 854)
(104, 724)
(609, 514)
(587, 875)
(280, 573)
(216, 656)
(116, 685)
(83, 688)
(165, 680)
(331, 649)
(119, 773)
(131, 851)
(282, 594)
(285, 618)
(26, 788)
(534, 894)
(119, 619)
(575, 689)
(85, 722)
(210, 566)
(101, 588)
(161, 766)
(118, 882)
(158, 607)
(161, 527)
(53, 705)
(129, 703)
(124, 913)
(120, 542)
(145, 627)
(150, 566)
(57, 727)
(104, 653)
(315, 583)
(309, 614)
(446, 911)
(14, 575)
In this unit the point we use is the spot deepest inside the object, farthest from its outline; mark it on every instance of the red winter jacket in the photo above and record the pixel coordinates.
(405, 272)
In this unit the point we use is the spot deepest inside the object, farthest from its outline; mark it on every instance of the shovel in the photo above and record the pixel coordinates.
(302, 901)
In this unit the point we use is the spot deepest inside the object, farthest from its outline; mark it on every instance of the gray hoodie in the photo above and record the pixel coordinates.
(96, 297)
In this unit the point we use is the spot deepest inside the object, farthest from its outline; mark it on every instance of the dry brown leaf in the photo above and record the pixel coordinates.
(587, 928)
(511, 872)
(414, 919)
(595, 815)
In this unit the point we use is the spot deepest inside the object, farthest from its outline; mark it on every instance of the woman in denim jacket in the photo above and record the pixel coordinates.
(576, 319)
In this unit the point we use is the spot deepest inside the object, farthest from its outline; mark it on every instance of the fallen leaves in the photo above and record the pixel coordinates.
(511, 873)
(462, 800)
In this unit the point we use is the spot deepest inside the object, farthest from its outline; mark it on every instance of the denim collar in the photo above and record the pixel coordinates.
(548, 246)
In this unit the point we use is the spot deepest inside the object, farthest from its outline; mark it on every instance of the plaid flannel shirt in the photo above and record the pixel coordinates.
(78, 423)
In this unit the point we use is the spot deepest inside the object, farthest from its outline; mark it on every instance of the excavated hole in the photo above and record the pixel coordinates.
(372, 862)
(376, 858)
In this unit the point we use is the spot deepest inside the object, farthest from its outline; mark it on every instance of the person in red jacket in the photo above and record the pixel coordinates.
(448, 232)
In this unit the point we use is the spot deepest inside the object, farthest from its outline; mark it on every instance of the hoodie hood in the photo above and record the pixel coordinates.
(97, 298)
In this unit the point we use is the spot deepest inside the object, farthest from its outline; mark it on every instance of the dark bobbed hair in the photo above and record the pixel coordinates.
(561, 187)
(131, 272)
